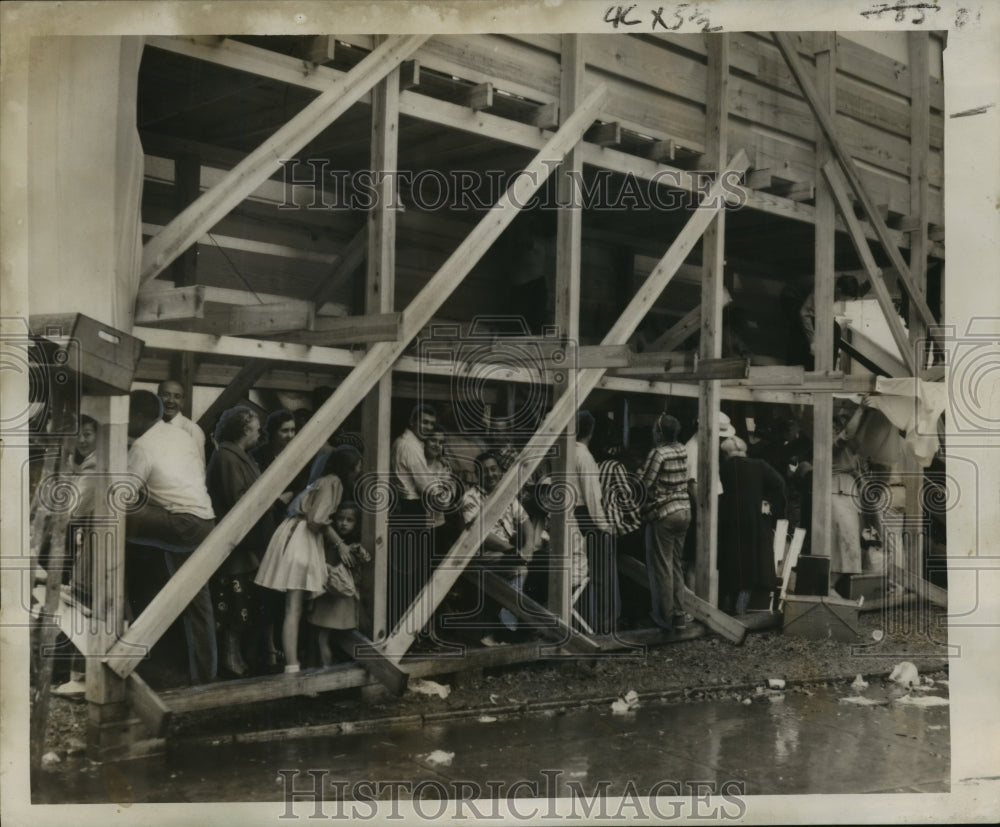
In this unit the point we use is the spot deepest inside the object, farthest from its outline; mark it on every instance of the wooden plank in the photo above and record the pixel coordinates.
(704, 612)
(924, 589)
(569, 252)
(824, 263)
(187, 188)
(262, 162)
(480, 96)
(379, 298)
(546, 116)
(604, 134)
(851, 173)
(288, 70)
(236, 390)
(166, 606)
(372, 661)
(342, 330)
(919, 48)
(270, 318)
(265, 688)
(710, 340)
(681, 331)
(560, 415)
(534, 614)
(157, 305)
(902, 341)
(872, 355)
(149, 706)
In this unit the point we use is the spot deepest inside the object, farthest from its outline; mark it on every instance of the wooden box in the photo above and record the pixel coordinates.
(821, 618)
(104, 357)
(868, 586)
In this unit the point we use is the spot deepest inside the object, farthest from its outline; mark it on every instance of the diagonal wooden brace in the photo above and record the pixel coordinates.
(868, 260)
(170, 602)
(528, 610)
(465, 547)
(213, 205)
(826, 124)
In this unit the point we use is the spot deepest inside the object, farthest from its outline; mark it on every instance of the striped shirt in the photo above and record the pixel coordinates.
(620, 497)
(665, 476)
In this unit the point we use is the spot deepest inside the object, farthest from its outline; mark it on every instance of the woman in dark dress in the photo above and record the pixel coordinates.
(746, 532)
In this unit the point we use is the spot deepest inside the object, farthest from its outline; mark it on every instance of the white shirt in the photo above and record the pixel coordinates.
(166, 460)
(196, 433)
(586, 481)
(692, 451)
(408, 466)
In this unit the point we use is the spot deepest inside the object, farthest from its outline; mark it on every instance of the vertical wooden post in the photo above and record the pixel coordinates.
(107, 731)
(920, 125)
(183, 367)
(569, 231)
(713, 255)
(379, 291)
(823, 284)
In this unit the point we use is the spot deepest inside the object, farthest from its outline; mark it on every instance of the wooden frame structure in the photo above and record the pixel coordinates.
(565, 103)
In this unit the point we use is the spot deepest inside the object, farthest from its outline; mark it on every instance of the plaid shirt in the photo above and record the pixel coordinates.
(665, 477)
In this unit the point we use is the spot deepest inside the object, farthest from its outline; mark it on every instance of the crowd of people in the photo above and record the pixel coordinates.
(294, 587)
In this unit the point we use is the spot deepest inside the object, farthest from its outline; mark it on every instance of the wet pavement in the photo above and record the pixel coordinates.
(780, 743)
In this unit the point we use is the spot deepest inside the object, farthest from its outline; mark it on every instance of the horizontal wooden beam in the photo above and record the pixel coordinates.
(178, 592)
(211, 206)
(255, 60)
(327, 331)
(157, 305)
(604, 134)
(271, 318)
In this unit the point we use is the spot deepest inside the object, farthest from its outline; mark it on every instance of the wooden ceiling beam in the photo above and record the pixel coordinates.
(262, 162)
(412, 104)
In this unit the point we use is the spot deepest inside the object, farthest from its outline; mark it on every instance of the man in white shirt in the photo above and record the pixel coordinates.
(410, 530)
(176, 516)
(171, 394)
(594, 532)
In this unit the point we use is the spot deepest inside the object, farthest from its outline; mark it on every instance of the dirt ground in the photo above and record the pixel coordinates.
(702, 668)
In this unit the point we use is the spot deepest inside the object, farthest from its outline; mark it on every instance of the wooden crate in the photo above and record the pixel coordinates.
(104, 357)
(868, 586)
(821, 618)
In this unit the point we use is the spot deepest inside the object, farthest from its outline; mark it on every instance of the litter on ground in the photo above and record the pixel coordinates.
(905, 674)
(439, 758)
(775, 683)
(859, 683)
(426, 687)
(923, 700)
(857, 700)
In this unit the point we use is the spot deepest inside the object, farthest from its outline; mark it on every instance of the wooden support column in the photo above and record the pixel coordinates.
(168, 604)
(920, 123)
(379, 298)
(183, 369)
(569, 231)
(253, 170)
(555, 421)
(823, 294)
(713, 255)
(107, 731)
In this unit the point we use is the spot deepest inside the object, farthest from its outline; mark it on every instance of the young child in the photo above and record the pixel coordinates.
(335, 610)
(295, 560)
